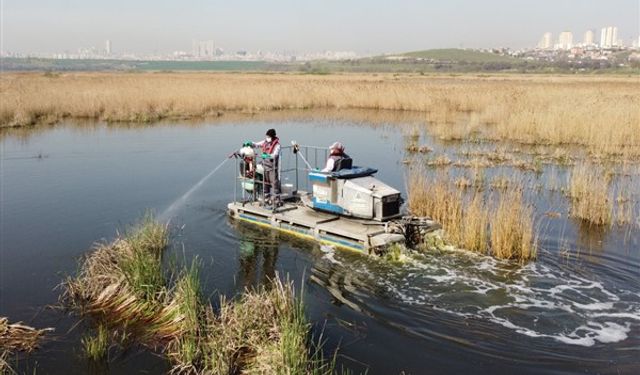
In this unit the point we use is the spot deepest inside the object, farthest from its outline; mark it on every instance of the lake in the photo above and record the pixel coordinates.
(576, 309)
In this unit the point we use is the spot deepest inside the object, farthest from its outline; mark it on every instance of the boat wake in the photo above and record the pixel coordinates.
(535, 300)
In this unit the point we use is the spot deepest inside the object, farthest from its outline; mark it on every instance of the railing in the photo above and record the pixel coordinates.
(292, 173)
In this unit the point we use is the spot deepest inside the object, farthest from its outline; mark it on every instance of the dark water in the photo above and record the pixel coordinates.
(575, 310)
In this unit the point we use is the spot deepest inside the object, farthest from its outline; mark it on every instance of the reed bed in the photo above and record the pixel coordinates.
(512, 228)
(600, 113)
(123, 288)
(469, 222)
(590, 197)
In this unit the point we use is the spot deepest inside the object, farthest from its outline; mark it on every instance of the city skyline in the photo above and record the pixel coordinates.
(609, 38)
(31, 26)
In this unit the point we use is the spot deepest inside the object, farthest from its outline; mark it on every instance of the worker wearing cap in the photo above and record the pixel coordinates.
(270, 147)
(337, 159)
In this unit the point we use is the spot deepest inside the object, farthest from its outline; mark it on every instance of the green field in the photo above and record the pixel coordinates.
(422, 62)
(37, 64)
(459, 55)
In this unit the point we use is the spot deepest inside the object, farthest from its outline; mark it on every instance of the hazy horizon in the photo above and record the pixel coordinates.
(35, 26)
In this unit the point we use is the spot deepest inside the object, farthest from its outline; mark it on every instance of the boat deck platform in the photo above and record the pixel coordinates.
(353, 234)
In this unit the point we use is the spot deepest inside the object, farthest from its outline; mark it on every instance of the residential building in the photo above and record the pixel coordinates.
(546, 41)
(565, 40)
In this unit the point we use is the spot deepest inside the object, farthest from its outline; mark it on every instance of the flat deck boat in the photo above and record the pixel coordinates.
(349, 209)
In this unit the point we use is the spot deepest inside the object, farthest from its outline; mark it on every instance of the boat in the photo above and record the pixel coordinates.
(349, 209)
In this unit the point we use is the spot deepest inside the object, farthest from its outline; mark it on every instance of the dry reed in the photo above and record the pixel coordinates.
(597, 112)
(475, 226)
(466, 222)
(17, 337)
(590, 196)
(512, 228)
(438, 199)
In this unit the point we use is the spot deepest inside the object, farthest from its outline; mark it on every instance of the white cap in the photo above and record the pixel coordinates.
(337, 146)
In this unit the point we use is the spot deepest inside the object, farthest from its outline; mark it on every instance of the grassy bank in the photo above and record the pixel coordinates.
(127, 296)
(597, 112)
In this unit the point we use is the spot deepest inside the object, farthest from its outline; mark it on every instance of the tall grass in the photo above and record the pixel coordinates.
(96, 346)
(265, 332)
(597, 112)
(512, 228)
(475, 226)
(439, 200)
(468, 223)
(185, 351)
(123, 284)
(590, 196)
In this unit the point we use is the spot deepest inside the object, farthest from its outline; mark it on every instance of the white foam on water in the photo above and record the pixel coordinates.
(595, 306)
(588, 335)
(329, 254)
(634, 316)
(590, 312)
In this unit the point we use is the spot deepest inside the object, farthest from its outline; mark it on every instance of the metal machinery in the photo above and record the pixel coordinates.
(349, 208)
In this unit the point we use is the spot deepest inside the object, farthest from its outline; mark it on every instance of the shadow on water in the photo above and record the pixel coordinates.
(591, 238)
(257, 257)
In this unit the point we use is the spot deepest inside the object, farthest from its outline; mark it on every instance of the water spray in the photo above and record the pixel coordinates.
(167, 214)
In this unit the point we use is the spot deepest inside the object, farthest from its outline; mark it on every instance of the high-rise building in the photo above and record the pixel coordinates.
(107, 47)
(546, 41)
(588, 38)
(609, 37)
(203, 49)
(565, 40)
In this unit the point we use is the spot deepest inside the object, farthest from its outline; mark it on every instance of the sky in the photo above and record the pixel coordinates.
(363, 26)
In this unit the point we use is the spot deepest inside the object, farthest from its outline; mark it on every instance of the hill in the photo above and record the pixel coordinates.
(458, 55)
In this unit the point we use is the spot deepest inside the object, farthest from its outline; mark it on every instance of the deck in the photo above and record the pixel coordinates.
(359, 235)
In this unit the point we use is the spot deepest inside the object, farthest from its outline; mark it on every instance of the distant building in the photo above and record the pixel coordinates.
(203, 49)
(546, 41)
(609, 37)
(107, 47)
(565, 40)
(589, 37)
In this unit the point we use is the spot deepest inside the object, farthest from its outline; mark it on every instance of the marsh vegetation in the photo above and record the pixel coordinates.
(126, 293)
(485, 191)
(495, 223)
(597, 112)
(16, 338)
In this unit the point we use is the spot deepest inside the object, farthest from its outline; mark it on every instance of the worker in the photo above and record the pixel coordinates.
(270, 161)
(337, 159)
